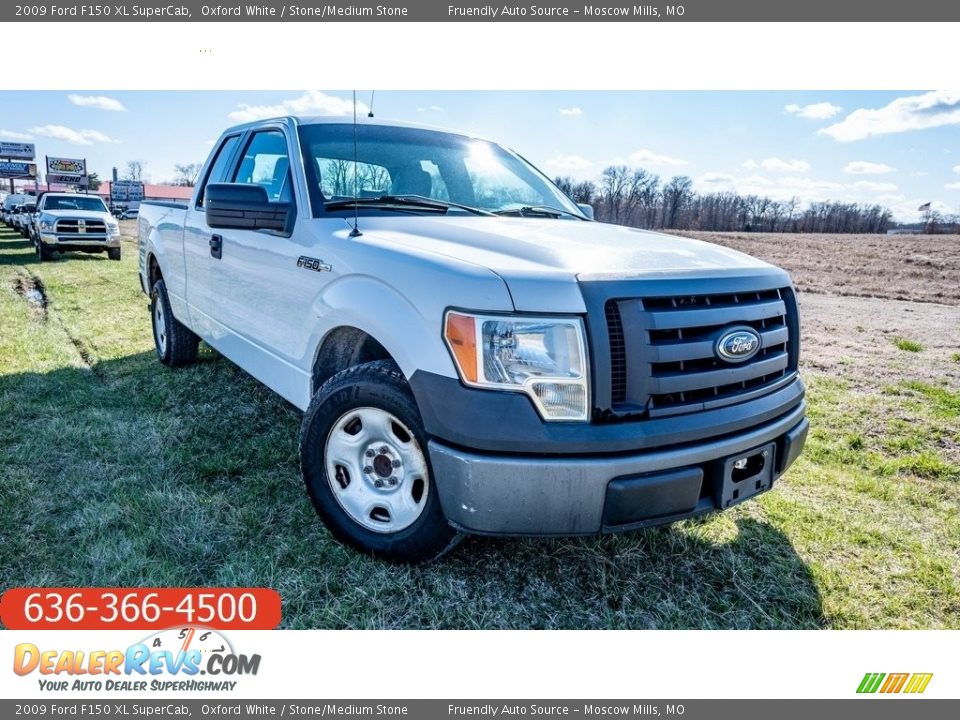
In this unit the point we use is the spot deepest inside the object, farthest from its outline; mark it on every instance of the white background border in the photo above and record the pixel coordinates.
(489, 56)
(635, 56)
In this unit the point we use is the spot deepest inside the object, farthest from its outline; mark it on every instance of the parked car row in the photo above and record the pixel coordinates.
(17, 216)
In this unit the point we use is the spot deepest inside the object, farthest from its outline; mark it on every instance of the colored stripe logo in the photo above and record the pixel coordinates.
(913, 683)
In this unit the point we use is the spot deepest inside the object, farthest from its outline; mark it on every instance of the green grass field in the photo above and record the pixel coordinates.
(115, 471)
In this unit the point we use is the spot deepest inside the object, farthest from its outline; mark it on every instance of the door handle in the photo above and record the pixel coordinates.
(216, 246)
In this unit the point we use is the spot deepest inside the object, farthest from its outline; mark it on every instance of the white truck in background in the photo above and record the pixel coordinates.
(65, 222)
(471, 351)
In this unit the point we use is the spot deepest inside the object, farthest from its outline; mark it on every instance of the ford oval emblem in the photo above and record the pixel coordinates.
(738, 345)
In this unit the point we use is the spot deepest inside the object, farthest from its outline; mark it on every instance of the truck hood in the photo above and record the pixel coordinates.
(541, 260)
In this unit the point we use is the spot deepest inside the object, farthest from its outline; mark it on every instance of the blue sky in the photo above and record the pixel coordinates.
(900, 149)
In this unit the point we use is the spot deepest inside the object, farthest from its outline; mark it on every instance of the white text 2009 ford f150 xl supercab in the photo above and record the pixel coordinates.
(472, 352)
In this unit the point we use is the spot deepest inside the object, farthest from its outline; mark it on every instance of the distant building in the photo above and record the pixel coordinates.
(165, 193)
(162, 193)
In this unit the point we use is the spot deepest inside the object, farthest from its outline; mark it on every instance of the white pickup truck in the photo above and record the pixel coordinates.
(73, 222)
(472, 352)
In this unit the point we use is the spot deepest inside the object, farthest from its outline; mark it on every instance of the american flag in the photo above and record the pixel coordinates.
(925, 206)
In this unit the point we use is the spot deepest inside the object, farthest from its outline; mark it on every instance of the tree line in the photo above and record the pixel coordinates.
(637, 198)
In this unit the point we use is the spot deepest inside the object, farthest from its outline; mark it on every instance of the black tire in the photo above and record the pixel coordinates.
(113, 253)
(379, 385)
(44, 253)
(175, 343)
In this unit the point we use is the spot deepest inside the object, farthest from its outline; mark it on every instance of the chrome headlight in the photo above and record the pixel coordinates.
(544, 357)
(113, 228)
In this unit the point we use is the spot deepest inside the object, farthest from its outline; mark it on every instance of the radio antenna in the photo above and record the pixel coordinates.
(370, 111)
(356, 207)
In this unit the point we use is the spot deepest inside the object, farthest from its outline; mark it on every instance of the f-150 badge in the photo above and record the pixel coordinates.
(313, 264)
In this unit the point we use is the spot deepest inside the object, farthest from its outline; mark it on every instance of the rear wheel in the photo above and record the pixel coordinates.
(176, 344)
(363, 452)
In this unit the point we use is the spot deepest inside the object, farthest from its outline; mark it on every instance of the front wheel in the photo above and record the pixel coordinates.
(113, 253)
(363, 452)
(43, 252)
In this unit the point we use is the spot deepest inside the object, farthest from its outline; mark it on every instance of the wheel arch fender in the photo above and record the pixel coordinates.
(410, 335)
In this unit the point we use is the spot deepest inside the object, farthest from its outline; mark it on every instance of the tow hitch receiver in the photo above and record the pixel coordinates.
(742, 476)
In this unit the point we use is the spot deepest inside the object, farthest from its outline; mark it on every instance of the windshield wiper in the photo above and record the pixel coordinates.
(402, 201)
(537, 211)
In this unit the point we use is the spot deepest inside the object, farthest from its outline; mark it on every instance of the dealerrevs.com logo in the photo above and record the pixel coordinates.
(180, 659)
(890, 683)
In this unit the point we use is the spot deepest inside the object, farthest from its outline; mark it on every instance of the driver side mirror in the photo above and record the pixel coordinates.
(586, 209)
(244, 206)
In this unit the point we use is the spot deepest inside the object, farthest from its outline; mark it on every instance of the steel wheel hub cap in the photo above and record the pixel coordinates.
(159, 326)
(376, 470)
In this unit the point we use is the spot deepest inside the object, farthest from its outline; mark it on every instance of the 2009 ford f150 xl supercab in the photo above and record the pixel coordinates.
(471, 351)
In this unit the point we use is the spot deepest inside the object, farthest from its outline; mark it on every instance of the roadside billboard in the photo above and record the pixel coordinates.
(65, 179)
(18, 170)
(66, 166)
(17, 151)
(124, 191)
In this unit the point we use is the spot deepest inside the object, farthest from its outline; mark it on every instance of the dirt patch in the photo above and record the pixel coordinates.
(856, 338)
(30, 288)
(923, 268)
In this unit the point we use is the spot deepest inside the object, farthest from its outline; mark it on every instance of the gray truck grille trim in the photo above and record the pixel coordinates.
(72, 227)
(662, 349)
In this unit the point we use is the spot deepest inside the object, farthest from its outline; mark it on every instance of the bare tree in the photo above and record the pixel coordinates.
(635, 197)
(186, 174)
(134, 170)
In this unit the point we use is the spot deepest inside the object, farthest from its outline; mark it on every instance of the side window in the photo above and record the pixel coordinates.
(266, 162)
(219, 167)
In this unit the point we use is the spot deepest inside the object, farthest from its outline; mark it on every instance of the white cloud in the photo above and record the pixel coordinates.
(715, 178)
(77, 137)
(644, 156)
(101, 102)
(712, 182)
(571, 112)
(956, 169)
(952, 186)
(816, 111)
(431, 108)
(862, 167)
(13, 135)
(871, 186)
(311, 102)
(804, 188)
(568, 163)
(915, 112)
(777, 165)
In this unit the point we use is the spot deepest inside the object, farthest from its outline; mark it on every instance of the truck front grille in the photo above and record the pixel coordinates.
(618, 353)
(81, 227)
(663, 356)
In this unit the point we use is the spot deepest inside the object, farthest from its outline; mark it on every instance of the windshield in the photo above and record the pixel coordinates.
(79, 202)
(427, 163)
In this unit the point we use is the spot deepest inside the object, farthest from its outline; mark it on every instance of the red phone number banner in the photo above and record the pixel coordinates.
(69, 608)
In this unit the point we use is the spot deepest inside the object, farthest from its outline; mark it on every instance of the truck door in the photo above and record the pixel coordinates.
(265, 299)
(203, 283)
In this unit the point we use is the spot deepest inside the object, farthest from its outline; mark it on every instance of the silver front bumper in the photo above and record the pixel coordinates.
(80, 239)
(551, 495)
